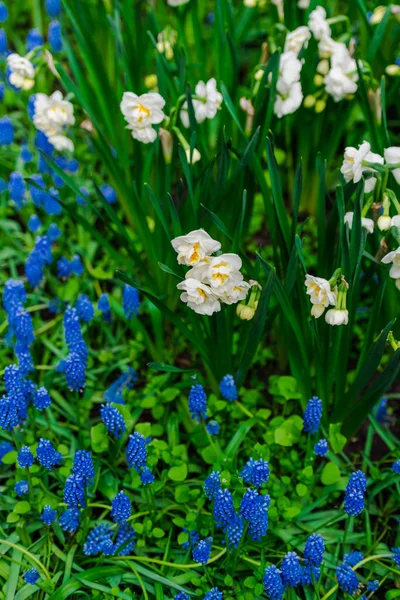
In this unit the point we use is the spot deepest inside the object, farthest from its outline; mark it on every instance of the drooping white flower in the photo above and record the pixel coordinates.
(384, 222)
(207, 102)
(321, 294)
(303, 4)
(53, 115)
(370, 184)
(176, 2)
(396, 221)
(335, 316)
(194, 247)
(21, 72)
(368, 224)
(393, 257)
(318, 24)
(199, 297)
(289, 92)
(296, 39)
(141, 113)
(392, 157)
(339, 85)
(192, 157)
(289, 103)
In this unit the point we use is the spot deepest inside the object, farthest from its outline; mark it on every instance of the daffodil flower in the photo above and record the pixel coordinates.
(194, 247)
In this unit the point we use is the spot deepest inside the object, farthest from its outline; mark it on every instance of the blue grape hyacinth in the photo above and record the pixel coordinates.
(5, 448)
(121, 508)
(25, 457)
(84, 308)
(234, 530)
(314, 550)
(291, 570)
(74, 491)
(21, 488)
(202, 552)
(104, 307)
(273, 584)
(321, 448)
(136, 452)
(125, 540)
(254, 508)
(228, 389)
(312, 415)
(83, 465)
(54, 36)
(112, 419)
(214, 594)
(99, 540)
(41, 399)
(212, 427)
(31, 576)
(396, 467)
(6, 131)
(130, 302)
(49, 515)
(197, 402)
(354, 494)
(47, 455)
(352, 558)
(69, 520)
(347, 579)
(212, 485)
(223, 507)
(255, 472)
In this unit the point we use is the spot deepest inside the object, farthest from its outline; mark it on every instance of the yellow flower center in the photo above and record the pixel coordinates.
(144, 112)
(202, 293)
(194, 257)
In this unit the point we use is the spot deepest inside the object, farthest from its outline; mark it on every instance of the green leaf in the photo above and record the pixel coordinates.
(178, 473)
(289, 432)
(22, 507)
(277, 194)
(377, 38)
(99, 439)
(209, 455)
(168, 368)
(330, 474)
(158, 533)
(9, 458)
(337, 441)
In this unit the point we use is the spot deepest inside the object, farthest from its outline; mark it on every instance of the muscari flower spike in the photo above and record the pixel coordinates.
(69, 520)
(136, 452)
(121, 508)
(396, 467)
(312, 415)
(54, 36)
(213, 594)
(125, 540)
(212, 427)
(41, 399)
(130, 302)
(17, 189)
(372, 586)
(223, 507)
(201, 552)
(347, 579)
(352, 558)
(181, 596)
(31, 576)
(354, 494)
(84, 308)
(104, 307)
(193, 540)
(6, 131)
(321, 448)
(396, 555)
(3, 12)
(314, 550)
(74, 491)
(112, 419)
(146, 476)
(109, 193)
(228, 389)
(33, 39)
(291, 570)
(49, 515)
(21, 488)
(47, 456)
(99, 540)
(197, 402)
(234, 530)
(34, 223)
(83, 465)
(273, 584)
(254, 508)
(75, 372)
(255, 472)
(53, 7)
(212, 485)
(25, 457)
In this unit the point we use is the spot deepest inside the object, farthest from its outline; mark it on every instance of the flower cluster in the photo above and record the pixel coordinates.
(212, 280)
(20, 328)
(136, 457)
(355, 493)
(324, 293)
(52, 115)
(141, 113)
(206, 102)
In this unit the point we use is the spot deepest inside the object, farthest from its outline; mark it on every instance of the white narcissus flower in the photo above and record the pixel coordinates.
(392, 157)
(296, 39)
(52, 116)
(199, 297)
(393, 257)
(288, 104)
(318, 24)
(321, 294)
(368, 224)
(194, 247)
(21, 72)
(233, 293)
(141, 113)
(219, 272)
(303, 4)
(352, 167)
(206, 104)
(370, 184)
(342, 78)
(336, 316)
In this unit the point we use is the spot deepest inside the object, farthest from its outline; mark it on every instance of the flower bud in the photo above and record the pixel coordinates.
(167, 144)
(320, 106)
(309, 101)
(384, 222)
